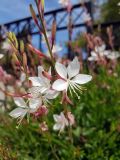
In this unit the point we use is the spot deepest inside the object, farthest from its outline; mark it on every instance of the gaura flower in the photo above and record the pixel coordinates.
(24, 108)
(113, 55)
(98, 53)
(41, 83)
(44, 96)
(42, 87)
(71, 118)
(56, 48)
(86, 17)
(93, 57)
(61, 122)
(70, 77)
(44, 126)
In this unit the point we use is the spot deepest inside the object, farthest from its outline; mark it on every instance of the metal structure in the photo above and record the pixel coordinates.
(60, 15)
(64, 20)
(26, 26)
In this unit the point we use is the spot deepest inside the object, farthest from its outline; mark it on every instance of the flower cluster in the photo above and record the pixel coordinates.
(46, 87)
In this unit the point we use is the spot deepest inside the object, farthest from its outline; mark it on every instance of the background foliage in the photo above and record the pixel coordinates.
(96, 135)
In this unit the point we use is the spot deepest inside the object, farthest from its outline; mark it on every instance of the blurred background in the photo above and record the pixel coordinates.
(88, 29)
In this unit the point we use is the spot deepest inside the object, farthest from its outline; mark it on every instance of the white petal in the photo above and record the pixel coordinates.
(56, 117)
(91, 59)
(20, 102)
(40, 70)
(73, 68)
(100, 48)
(2, 96)
(36, 81)
(1, 56)
(65, 121)
(107, 52)
(82, 78)
(61, 70)
(35, 103)
(18, 112)
(35, 91)
(49, 71)
(23, 77)
(93, 54)
(113, 55)
(51, 94)
(57, 127)
(60, 85)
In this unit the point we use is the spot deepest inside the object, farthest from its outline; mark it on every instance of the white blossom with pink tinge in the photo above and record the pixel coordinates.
(41, 87)
(24, 108)
(70, 77)
(60, 122)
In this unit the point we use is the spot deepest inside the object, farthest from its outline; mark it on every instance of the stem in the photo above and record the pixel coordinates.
(45, 35)
(70, 135)
(52, 149)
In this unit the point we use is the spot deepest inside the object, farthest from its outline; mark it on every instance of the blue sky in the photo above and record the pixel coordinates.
(11, 10)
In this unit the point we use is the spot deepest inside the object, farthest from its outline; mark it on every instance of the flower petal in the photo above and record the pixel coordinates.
(82, 78)
(20, 102)
(73, 68)
(57, 127)
(93, 54)
(36, 81)
(61, 70)
(60, 85)
(51, 94)
(36, 91)
(40, 70)
(18, 112)
(35, 103)
(56, 117)
(91, 58)
(1, 56)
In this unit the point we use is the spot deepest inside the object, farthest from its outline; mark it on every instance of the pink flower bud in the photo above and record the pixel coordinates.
(71, 118)
(44, 126)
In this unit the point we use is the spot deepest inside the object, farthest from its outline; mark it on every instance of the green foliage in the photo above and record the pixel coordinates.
(110, 11)
(96, 135)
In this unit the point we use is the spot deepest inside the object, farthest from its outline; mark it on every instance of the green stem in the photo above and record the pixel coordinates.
(45, 35)
(52, 149)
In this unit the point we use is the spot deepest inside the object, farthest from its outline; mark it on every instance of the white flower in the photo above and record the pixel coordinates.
(93, 57)
(64, 2)
(23, 108)
(48, 36)
(22, 77)
(70, 77)
(44, 96)
(113, 55)
(118, 3)
(1, 56)
(61, 122)
(42, 83)
(98, 52)
(6, 46)
(56, 49)
(86, 17)
(42, 87)
(100, 49)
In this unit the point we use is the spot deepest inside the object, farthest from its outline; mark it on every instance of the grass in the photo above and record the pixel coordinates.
(96, 135)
